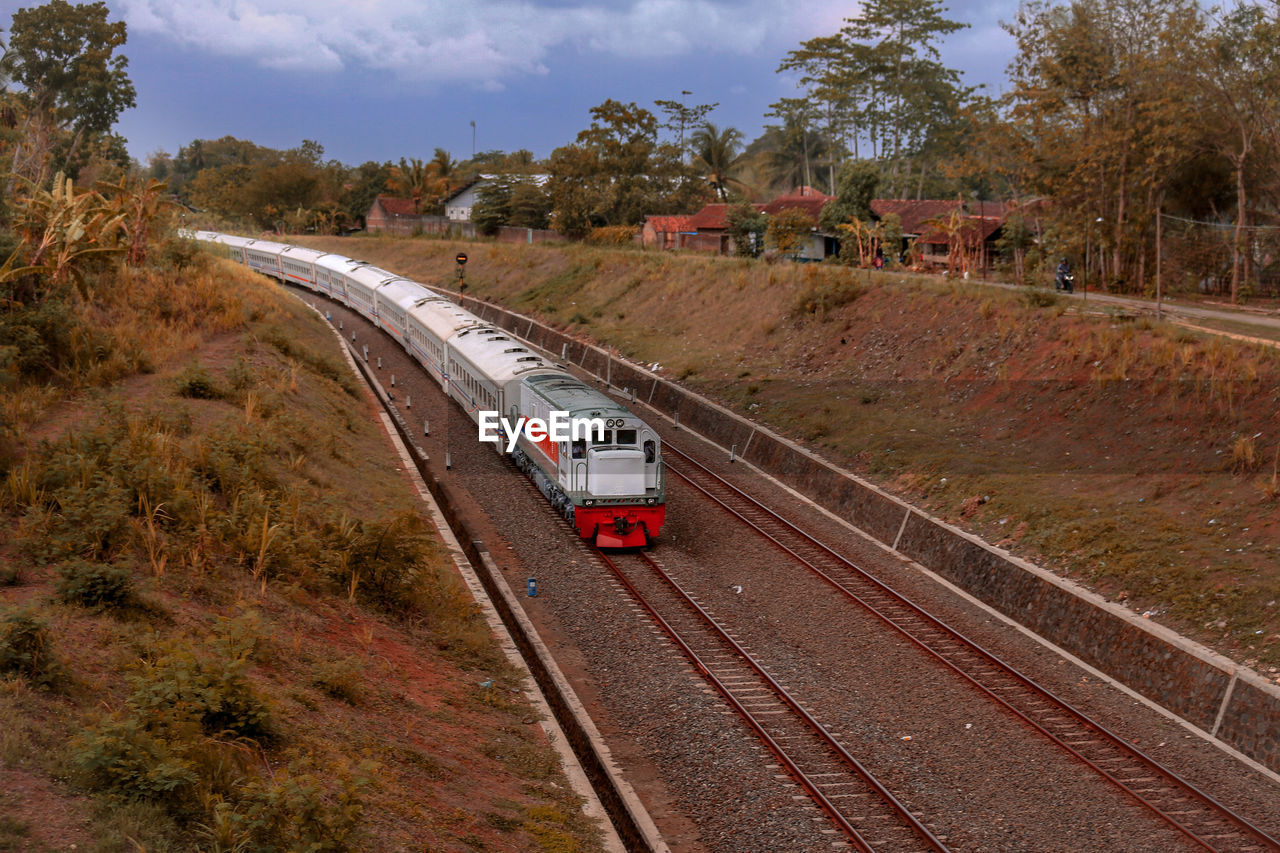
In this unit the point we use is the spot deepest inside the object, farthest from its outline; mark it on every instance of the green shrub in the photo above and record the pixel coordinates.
(125, 758)
(1034, 297)
(380, 562)
(197, 383)
(215, 693)
(301, 812)
(339, 679)
(827, 293)
(25, 649)
(91, 522)
(95, 585)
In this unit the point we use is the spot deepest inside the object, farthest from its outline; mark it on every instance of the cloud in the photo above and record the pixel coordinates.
(483, 43)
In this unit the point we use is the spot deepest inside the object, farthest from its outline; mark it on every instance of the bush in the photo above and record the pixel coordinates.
(613, 235)
(380, 562)
(339, 679)
(122, 757)
(215, 693)
(95, 585)
(25, 649)
(197, 383)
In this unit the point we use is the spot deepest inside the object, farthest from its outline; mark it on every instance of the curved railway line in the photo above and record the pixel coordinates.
(1195, 814)
(858, 809)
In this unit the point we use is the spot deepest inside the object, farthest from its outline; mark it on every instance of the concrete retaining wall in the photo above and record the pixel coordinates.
(1233, 704)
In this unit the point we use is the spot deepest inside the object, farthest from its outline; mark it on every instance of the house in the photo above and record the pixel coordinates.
(457, 207)
(665, 232)
(978, 230)
(710, 229)
(809, 201)
(392, 215)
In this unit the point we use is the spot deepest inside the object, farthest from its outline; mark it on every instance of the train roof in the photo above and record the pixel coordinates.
(442, 318)
(566, 393)
(301, 253)
(499, 355)
(404, 293)
(370, 276)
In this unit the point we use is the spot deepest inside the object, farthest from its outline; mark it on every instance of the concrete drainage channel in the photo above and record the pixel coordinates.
(635, 829)
(1223, 702)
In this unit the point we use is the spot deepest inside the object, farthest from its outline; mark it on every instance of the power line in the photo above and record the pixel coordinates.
(1230, 225)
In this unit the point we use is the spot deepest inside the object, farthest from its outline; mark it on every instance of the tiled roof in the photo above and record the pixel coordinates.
(669, 224)
(913, 213)
(805, 198)
(397, 206)
(973, 229)
(711, 217)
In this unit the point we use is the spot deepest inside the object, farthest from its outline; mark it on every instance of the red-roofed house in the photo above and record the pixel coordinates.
(395, 215)
(809, 201)
(665, 232)
(976, 233)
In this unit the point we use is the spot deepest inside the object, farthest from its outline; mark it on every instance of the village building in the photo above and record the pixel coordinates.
(390, 215)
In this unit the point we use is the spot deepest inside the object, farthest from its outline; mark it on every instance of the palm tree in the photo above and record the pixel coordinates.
(411, 179)
(443, 170)
(716, 154)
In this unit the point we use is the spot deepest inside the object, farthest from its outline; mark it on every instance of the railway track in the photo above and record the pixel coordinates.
(1195, 814)
(859, 807)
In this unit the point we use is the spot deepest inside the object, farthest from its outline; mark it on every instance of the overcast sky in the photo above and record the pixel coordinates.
(384, 79)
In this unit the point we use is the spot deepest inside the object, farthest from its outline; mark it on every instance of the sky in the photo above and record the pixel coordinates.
(385, 79)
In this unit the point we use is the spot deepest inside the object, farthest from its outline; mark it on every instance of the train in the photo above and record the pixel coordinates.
(607, 478)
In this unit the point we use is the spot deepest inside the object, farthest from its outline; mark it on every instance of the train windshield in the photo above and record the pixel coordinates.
(604, 436)
(626, 436)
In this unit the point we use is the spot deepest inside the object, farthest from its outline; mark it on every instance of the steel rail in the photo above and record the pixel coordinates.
(900, 601)
(811, 788)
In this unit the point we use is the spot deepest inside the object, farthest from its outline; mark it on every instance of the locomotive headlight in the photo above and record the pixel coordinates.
(588, 503)
(650, 501)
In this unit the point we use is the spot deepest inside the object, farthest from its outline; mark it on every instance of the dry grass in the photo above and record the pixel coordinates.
(210, 501)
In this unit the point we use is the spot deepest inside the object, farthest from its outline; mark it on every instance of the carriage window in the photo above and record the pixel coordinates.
(604, 436)
(626, 436)
(579, 448)
(650, 450)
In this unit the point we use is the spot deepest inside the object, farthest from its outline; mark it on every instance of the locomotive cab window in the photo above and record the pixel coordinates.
(604, 436)
(650, 451)
(579, 448)
(626, 436)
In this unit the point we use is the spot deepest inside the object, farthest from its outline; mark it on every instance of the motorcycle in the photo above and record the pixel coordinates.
(1065, 282)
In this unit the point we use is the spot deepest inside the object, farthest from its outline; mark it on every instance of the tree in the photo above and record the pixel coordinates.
(75, 86)
(1241, 59)
(365, 183)
(616, 172)
(788, 230)
(412, 179)
(679, 117)
(442, 170)
(855, 188)
(837, 74)
(746, 227)
(1103, 117)
(493, 205)
(716, 156)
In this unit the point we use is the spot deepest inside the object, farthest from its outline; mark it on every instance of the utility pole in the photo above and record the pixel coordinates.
(473, 139)
(683, 93)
